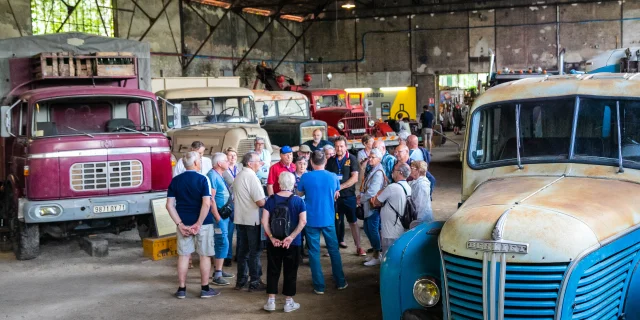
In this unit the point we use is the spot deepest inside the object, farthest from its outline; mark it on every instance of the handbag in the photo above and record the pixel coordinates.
(227, 210)
(360, 212)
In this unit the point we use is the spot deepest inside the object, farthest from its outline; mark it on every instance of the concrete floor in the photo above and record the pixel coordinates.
(66, 283)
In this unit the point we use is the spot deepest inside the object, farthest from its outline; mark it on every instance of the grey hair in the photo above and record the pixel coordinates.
(404, 170)
(219, 156)
(247, 158)
(328, 147)
(259, 139)
(190, 158)
(377, 153)
(286, 180)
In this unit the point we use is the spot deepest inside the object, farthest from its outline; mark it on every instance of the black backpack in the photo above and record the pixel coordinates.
(410, 211)
(279, 220)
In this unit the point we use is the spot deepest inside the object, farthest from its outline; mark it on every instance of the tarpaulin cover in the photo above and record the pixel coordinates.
(78, 43)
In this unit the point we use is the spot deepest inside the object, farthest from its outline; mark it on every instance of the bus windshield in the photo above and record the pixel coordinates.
(546, 132)
(93, 115)
(212, 110)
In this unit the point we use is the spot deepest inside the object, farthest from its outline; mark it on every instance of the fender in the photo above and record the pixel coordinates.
(631, 308)
(332, 132)
(412, 256)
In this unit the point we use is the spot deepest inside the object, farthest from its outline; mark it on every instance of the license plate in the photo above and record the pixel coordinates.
(358, 130)
(109, 208)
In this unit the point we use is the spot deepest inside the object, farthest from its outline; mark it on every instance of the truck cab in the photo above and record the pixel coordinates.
(286, 116)
(219, 117)
(548, 227)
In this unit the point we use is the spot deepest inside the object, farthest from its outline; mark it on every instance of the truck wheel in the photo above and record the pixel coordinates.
(27, 241)
(146, 226)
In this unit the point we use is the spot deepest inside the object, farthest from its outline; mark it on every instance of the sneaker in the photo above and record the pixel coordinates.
(240, 286)
(270, 305)
(368, 258)
(227, 263)
(219, 281)
(326, 254)
(257, 286)
(291, 306)
(180, 294)
(372, 262)
(361, 252)
(318, 292)
(343, 245)
(370, 250)
(343, 287)
(228, 275)
(209, 294)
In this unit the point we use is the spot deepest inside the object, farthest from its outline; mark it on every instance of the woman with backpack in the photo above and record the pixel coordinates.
(374, 181)
(284, 216)
(421, 190)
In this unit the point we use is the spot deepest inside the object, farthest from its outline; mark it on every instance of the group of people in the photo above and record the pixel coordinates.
(285, 207)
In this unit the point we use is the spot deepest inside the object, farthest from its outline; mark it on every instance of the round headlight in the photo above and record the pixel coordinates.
(371, 123)
(426, 292)
(340, 125)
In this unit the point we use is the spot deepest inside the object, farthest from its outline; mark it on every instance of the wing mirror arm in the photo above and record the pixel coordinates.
(5, 111)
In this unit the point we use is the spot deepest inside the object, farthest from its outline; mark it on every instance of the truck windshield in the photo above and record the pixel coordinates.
(213, 110)
(94, 115)
(545, 132)
(330, 101)
(285, 108)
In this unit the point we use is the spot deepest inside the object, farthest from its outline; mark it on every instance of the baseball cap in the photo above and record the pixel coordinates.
(286, 149)
(304, 148)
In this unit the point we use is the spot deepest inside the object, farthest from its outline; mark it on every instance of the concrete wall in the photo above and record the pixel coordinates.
(405, 48)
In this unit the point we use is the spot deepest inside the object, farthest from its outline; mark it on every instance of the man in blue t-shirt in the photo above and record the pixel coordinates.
(220, 193)
(321, 188)
(427, 127)
(188, 202)
(317, 143)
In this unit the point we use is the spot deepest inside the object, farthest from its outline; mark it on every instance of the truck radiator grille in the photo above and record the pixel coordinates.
(530, 290)
(600, 289)
(245, 146)
(355, 121)
(89, 176)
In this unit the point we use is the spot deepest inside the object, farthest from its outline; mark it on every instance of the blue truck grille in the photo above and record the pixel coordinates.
(530, 290)
(600, 289)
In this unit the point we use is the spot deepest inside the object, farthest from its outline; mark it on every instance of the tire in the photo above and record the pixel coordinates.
(146, 226)
(27, 241)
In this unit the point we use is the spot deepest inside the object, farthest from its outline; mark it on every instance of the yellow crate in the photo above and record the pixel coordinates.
(160, 248)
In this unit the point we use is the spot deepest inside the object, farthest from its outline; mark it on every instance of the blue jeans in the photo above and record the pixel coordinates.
(220, 237)
(313, 241)
(230, 238)
(248, 253)
(372, 229)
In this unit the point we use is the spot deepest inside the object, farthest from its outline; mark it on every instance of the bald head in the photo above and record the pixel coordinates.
(412, 142)
(380, 146)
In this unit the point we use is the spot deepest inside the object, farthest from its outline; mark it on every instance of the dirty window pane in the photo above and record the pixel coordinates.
(194, 111)
(545, 127)
(89, 16)
(596, 133)
(293, 108)
(630, 121)
(355, 99)
(493, 134)
(330, 101)
(271, 107)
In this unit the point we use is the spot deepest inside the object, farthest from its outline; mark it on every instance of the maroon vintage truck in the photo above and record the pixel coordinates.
(82, 147)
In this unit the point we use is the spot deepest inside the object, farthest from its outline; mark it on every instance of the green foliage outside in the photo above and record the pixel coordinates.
(48, 16)
(462, 81)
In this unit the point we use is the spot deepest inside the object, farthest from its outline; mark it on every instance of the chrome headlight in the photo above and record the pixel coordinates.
(340, 125)
(426, 292)
(371, 123)
(49, 211)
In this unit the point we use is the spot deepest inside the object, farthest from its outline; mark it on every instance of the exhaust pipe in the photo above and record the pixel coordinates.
(492, 62)
(561, 62)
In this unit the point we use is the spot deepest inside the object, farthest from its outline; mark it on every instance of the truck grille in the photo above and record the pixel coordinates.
(600, 289)
(357, 121)
(245, 146)
(90, 176)
(530, 290)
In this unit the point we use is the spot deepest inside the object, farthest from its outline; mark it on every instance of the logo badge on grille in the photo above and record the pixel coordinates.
(502, 246)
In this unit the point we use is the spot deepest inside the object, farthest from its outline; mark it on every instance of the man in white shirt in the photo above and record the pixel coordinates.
(206, 165)
(393, 200)
(248, 196)
(265, 157)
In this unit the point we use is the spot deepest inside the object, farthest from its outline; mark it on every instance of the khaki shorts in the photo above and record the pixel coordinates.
(428, 133)
(202, 243)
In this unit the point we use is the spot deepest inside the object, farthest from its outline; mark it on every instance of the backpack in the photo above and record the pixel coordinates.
(410, 211)
(279, 219)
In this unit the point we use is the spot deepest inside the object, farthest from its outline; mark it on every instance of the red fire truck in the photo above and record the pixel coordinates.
(82, 147)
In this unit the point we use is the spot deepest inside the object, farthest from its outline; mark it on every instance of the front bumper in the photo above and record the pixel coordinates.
(434, 313)
(82, 209)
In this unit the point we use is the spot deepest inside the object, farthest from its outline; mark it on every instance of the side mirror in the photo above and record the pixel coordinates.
(177, 116)
(265, 109)
(5, 122)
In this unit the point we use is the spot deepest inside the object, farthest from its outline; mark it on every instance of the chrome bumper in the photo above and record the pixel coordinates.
(82, 209)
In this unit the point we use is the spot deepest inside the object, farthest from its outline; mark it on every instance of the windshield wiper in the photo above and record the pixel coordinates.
(76, 130)
(620, 167)
(518, 135)
(133, 130)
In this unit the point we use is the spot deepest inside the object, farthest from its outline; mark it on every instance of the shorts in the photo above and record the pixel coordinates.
(202, 243)
(428, 133)
(347, 207)
(221, 238)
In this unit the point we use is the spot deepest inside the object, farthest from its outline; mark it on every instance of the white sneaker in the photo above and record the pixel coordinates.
(372, 262)
(291, 306)
(270, 305)
(368, 258)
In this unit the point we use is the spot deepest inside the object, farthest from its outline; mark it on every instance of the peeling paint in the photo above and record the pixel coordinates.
(448, 54)
(533, 8)
(548, 28)
(534, 56)
(382, 19)
(437, 51)
(516, 51)
(543, 17)
(422, 68)
(508, 46)
(542, 31)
